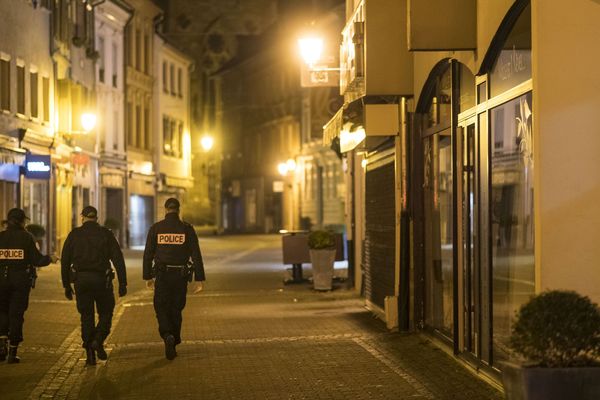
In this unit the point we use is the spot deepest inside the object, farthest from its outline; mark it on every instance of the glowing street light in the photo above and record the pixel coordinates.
(310, 49)
(282, 168)
(207, 142)
(291, 164)
(88, 122)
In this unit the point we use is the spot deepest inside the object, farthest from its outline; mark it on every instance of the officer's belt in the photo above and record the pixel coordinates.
(174, 266)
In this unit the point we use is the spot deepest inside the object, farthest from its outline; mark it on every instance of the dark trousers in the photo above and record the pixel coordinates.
(90, 291)
(169, 301)
(15, 285)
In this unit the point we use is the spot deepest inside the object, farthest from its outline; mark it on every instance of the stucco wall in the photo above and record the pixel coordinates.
(566, 109)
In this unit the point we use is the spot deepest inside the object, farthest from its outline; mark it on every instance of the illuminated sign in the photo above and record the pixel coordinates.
(37, 167)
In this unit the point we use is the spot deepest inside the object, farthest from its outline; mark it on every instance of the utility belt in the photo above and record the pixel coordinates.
(186, 270)
(109, 275)
(30, 270)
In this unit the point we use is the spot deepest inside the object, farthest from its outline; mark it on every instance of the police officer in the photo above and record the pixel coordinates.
(169, 246)
(86, 261)
(18, 256)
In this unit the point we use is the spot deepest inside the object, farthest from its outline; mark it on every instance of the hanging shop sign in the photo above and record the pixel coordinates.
(37, 167)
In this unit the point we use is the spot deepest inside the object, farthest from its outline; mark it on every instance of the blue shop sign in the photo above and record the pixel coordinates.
(37, 167)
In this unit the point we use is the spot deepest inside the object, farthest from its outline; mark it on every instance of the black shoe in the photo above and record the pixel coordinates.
(98, 347)
(170, 352)
(12, 355)
(3, 348)
(91, 356)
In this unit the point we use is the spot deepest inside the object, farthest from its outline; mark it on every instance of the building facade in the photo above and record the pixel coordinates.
(111, 18)
(465, 154)
(139, 103)
(27, 113)
(172, 124)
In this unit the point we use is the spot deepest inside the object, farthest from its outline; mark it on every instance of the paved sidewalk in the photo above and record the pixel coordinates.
(247, 337)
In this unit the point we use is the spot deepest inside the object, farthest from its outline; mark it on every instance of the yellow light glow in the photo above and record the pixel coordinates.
(310, 49)
(364, 163)
(282, 168)
(350, 139)
(291, 164)
(146, 168)
(88, 121)
(207, 142)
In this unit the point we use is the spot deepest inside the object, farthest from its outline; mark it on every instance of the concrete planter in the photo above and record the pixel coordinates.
(550, 383)
(322, 265)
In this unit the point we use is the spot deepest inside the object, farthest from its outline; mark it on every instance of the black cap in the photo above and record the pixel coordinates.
(89, 212)
(172, 203)
(16, 214)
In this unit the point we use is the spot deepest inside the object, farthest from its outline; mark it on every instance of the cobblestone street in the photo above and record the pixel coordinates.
(246, 336)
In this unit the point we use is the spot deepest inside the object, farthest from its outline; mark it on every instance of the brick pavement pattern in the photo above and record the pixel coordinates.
(247, 336)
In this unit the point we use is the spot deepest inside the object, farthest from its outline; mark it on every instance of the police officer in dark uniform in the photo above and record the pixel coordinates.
(18, 258)
(86, 261)
(169, 246)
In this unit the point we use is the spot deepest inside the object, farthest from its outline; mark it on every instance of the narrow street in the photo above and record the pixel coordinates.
(247, 336)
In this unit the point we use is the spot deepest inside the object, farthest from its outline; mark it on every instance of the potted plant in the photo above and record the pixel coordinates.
(321, 246)
(556, 336)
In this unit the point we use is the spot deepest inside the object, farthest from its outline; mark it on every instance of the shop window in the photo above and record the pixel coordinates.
(440, 106)
(439, 205)
(512, 214)
(513, 64)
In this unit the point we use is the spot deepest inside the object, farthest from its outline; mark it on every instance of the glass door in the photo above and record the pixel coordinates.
(469, 272)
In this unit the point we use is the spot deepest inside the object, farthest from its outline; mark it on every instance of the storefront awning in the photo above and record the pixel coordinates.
(179, 182)
(360, 119)
(10, 156)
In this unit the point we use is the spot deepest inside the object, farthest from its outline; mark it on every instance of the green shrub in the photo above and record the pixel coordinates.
(558, 329)
(318, 240)
(37, 231)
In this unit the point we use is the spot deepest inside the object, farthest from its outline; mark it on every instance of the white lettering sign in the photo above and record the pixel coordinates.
(37, 166)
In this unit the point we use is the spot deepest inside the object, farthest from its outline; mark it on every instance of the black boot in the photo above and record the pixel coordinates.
(3, 348)
(99, 348)
(170, 352)
(91, 356)
(12, 355)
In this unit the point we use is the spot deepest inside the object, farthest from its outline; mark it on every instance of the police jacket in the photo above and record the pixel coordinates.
(17, 248)
(91, 248)
(172, 242)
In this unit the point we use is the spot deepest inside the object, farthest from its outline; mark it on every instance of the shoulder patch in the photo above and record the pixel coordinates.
(170, 238)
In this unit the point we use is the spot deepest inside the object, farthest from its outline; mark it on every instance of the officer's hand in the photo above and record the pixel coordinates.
(122, 290)
(199, 286)
(150, 284)
(69, 293)
(53, 259)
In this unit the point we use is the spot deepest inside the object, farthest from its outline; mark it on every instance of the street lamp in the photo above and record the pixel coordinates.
(291, 164)
(207, 142)
(310, 49)
(88, 122)
(283, 168)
